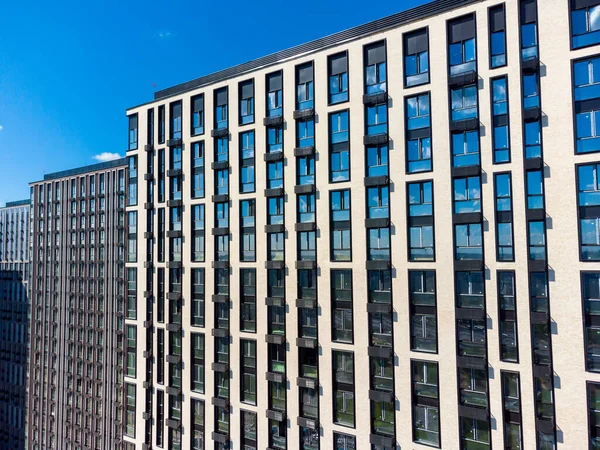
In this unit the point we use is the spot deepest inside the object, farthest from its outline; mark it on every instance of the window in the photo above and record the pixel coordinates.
(509, 350)
(198, 363)
(130, 410)
(528, 17)
(198, 228)
(594, 414)
(248, 230)
(246, 93)
(462, 48)
(337, 66)
(378, 244)
(504, 227)
(222, 182)
(382, 417)
(275, 94)
(537, 240)
(473, 387)
(197, 115)
(133, 132)
(469, 289)
(275, 246)
(339, 147)
(377, 117)
(474, 434)
(150, 129)
(468, 242)
(511, 402)
(160, 418)
(305, 170)
(197, 425)
(500, 118)
(467, 195)
(132, 162)
(425, 394)
(307, 246)
(275, 211)
(198, 170)
(131, 351)
(277, 435)
(591, 309)
(471, 338)
(131, 293)
(221, 113)
(589, 221)
(221, 149)
(378, 202)
(304, 86)
(586, 75)
(423, 315)
(420, 221)
(248, 300)
(585, 23)
(464, 103)
(341, 239)
(497, 28)
(198, 297)
(175, 116)
(249, 430)
(247, 169)
(344, 442)
(305, 133)
(161, 176)
(380, 286)
(416, 58)
(341, 296)
(343, 388)
(274, 139)
(377, 160)
(465, 149)
(375, 68)
(248, 357)
(161, 124)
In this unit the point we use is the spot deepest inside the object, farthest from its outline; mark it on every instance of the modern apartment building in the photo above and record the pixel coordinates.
(14, 323)
(386, 238)
(77, 297)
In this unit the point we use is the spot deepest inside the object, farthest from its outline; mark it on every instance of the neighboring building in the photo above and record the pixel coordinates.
(386, 237)
(77, 298)
(14, 323)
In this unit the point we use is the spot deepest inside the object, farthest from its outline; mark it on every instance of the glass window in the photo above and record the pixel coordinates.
(197, 103)
(377, 117)
(423, 320)
(416, 58)
(418, 111)
(375, 68)
(465, 148)
(497, 36)
(467, 195)
(133, 132)
(464, 103)
(341, 295)
(246, 93)
(175, 115)
(338, 77)
(426, 424)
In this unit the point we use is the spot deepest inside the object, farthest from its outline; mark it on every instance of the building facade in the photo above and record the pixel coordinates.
(384, 238)
(14, 322)
(77, 295)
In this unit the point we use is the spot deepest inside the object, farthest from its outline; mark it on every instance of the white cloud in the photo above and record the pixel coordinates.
(164, 34)
(1, 128)
(106, 156)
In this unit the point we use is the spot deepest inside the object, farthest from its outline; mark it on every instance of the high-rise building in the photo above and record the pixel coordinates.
(14, 323)
(77, 296)
(386, 237)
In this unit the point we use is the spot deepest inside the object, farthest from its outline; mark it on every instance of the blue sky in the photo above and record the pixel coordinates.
(69, 69)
